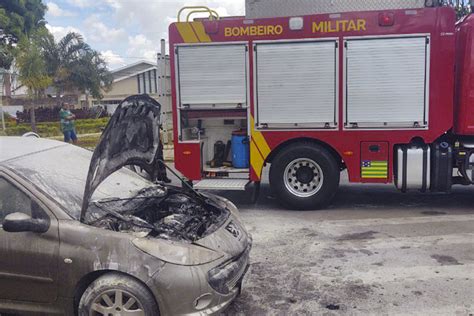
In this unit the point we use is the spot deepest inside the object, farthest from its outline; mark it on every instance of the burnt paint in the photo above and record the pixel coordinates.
(132, 137)
(168, 213)
(93, 249)
(19, 279)
(76, 250)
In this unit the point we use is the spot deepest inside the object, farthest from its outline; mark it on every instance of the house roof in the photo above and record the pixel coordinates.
(133, 70)
(119, 74)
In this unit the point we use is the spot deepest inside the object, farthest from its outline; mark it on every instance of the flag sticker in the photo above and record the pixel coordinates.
(374, 169)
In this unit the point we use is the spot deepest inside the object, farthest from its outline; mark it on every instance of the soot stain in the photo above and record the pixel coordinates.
(446, 260)
(333, 307)
(358, 236)
(433, 213)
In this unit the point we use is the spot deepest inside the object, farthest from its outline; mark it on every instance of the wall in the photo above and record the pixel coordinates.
(124, 88)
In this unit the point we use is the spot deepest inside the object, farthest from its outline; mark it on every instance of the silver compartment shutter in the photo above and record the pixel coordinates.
(212, 75)
(386, 82)
(296, 83)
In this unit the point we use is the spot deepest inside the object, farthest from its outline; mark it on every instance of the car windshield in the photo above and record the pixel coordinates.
(62, 172)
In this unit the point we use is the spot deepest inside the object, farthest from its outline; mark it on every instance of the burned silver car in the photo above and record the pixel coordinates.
(81, 234)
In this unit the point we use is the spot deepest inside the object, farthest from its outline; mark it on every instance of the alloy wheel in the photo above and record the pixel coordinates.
(303, 177)
(115, 303)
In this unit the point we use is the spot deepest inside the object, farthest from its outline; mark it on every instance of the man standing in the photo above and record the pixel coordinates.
(67, 123)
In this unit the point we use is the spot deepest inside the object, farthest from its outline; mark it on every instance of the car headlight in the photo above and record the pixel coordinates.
(226, 276)
(176, 252)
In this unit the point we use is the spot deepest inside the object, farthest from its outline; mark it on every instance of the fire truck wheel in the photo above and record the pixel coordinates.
(304, 176)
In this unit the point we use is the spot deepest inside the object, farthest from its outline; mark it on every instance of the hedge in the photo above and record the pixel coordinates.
(86, 126)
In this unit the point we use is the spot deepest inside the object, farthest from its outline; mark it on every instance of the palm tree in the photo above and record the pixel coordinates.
(90, 74)
(73, 65)
(32, 72)
(60, 57)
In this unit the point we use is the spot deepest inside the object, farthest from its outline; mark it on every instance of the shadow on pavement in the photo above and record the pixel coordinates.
(381, 197)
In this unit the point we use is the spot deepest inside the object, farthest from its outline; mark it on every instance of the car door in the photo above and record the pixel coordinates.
(28, 260)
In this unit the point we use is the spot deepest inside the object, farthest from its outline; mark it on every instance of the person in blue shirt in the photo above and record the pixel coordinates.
(68, 123)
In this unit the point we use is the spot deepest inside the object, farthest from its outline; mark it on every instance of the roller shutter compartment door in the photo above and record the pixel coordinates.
(212, 76)
(296, 84)
(386, 82)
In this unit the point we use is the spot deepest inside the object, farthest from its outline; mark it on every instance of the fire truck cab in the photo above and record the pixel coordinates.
(386, 93)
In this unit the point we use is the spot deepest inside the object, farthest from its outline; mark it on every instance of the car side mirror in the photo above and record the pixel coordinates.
(21, 222)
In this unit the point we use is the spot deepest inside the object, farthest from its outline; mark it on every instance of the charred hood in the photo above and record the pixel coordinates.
(132, 137)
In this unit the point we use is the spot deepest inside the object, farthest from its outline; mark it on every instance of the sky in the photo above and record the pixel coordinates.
(125, 31)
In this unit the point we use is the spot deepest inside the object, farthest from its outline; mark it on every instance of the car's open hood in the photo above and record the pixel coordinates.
(132, 137)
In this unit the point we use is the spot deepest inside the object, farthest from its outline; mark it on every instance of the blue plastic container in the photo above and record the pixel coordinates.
(240, 150)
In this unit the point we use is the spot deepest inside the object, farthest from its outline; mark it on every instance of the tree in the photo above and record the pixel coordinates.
(462, 7)
(32, 72)
(91, 75)
(74, 65)
(18, 19)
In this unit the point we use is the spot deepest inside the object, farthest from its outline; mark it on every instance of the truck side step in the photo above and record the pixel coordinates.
(222, 184)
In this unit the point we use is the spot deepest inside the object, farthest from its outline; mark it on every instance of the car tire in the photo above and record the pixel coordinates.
(304, 176)
(115, 292)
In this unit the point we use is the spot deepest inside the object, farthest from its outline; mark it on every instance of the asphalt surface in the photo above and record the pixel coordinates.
(375, 251)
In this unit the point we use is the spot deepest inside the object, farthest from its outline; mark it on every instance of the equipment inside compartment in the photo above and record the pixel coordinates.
(224, 143)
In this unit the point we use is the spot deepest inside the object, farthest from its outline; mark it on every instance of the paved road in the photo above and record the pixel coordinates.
(375, 251)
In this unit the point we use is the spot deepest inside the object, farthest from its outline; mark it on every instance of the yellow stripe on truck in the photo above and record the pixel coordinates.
(201, 32)
(375, 169)
(260, 140)
(256, 160)
(187, 33)
(374, 173)
(259, 149)
(374, 177)
(193, 32)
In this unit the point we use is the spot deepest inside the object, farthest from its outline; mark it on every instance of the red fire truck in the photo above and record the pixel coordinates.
(387, 95)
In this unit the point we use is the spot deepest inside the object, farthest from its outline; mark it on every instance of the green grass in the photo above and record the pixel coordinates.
(51, 129)
(89, 142)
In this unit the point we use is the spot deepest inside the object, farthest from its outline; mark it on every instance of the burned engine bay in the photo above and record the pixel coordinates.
(162, 212)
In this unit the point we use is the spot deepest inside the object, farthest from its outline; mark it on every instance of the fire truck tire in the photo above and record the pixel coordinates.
(304, 176)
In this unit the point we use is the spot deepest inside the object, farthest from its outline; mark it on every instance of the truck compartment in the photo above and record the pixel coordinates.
(217, 137)
(387, 82)
(296, 84)
(375, 160)
(213, 107)
(212, 76)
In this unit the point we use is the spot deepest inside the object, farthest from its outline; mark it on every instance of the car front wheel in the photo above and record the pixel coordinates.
(304, 176)
(117, 294)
